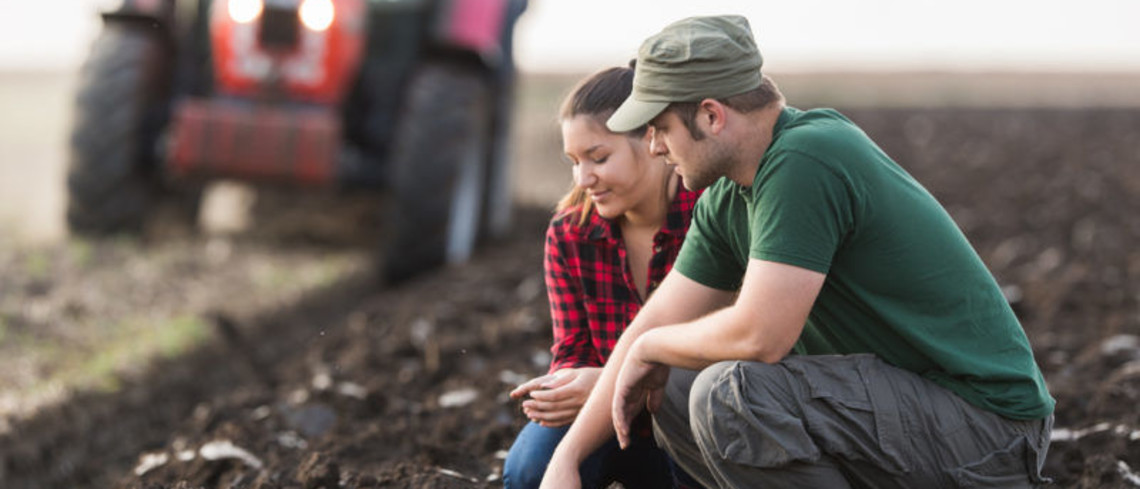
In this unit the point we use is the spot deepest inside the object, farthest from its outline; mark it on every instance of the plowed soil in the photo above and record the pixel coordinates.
(355, 386)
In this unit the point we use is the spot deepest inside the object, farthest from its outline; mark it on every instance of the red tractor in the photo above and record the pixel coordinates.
(409, 97)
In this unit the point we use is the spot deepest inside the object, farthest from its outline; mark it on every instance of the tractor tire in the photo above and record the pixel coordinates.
(498, 198)
(111, 179)
(438, 171)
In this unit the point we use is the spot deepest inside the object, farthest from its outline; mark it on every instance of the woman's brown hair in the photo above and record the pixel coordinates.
(597, 96)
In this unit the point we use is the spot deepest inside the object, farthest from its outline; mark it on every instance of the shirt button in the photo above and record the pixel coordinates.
(657, 248)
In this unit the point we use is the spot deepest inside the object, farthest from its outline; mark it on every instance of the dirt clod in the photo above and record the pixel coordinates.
(318, 472)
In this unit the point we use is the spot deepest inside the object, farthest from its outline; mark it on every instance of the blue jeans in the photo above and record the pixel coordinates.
(641, 465)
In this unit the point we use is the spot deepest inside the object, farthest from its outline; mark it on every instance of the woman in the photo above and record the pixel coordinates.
(613, 238)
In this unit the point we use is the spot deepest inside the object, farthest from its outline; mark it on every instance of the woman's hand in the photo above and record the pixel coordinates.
(555, 399)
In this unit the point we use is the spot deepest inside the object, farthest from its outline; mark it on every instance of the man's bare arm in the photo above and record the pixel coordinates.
(677, 300)
(763, 325)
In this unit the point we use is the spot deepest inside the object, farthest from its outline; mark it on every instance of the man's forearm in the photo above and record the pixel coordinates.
(594, 424)
(678, 299)
(762, 325)
(727, 334)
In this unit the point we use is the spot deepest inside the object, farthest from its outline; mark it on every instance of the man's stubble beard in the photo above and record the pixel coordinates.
(713, 162)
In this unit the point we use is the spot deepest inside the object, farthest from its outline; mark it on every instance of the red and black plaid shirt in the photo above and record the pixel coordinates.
(592, 293)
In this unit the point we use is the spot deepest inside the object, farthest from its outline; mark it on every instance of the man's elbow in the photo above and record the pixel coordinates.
(760, 349)
(767, 355)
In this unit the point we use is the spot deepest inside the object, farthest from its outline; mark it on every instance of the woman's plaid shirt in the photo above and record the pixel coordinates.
(589, 284)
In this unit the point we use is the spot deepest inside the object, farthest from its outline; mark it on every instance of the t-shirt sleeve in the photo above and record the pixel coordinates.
(703, 254)
(802, 212)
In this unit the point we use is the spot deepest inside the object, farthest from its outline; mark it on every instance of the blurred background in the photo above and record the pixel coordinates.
(827, 52)
(1020, 116)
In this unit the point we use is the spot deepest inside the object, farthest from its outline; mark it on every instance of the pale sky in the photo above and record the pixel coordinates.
(578, 35)
(855, 34)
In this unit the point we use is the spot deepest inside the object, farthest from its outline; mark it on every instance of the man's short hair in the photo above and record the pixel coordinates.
(756, 99)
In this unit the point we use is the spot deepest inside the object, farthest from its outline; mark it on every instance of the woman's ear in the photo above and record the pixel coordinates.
(645, 140)
(648, 136)
(640, 144)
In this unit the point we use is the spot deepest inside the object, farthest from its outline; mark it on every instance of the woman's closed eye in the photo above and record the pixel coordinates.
(598, 154)
(592, 159)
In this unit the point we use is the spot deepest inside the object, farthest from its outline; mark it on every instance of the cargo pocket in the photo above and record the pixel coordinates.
(856, 414)
(1005, 468)
(747, 425)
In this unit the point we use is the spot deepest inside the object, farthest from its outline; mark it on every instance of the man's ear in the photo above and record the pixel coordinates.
(712, 115)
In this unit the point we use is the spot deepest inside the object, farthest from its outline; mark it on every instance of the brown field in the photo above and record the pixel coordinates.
(278, 342)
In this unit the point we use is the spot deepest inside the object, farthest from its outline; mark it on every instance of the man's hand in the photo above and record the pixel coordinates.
(676, 300)
(555, 399)
(639, 385)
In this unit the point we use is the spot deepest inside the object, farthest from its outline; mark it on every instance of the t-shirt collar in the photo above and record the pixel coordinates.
(786, 115)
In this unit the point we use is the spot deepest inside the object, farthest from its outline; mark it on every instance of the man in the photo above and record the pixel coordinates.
(845, 332)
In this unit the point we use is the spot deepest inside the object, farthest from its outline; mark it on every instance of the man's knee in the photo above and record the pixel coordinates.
(724, 385)
(671, 419)
(744, 411)
(704, 400)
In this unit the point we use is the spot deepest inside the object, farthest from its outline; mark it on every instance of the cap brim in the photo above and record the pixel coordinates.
(633, 114)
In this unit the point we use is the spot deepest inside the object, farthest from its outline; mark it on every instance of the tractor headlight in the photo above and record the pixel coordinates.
(245, 11)
(317, 15)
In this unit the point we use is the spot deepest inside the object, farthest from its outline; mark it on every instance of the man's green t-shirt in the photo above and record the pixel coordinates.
(902, 280)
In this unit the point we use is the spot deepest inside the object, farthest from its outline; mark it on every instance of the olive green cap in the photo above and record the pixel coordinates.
(688, 61)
